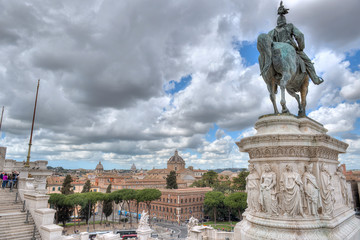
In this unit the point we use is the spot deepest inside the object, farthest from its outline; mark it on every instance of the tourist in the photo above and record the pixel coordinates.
(1, 178)
(5, 180)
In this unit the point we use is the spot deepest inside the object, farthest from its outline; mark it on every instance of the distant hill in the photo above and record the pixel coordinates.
(219, 170)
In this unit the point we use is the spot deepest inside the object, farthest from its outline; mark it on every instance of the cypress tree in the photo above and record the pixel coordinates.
(67, 188)
(171, 181)
(86, 187)
(108, 206)
(84, 211)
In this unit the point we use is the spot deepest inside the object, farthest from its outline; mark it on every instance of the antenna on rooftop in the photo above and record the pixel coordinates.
(27, 164)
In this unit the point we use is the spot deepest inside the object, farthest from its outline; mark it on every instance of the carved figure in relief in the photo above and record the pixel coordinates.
(311, 190)
(344, 188)
(291, 186)
(326, 191)
(268, 199)
(252, 189)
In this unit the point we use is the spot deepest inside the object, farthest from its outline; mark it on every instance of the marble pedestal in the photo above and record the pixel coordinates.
(289, 157)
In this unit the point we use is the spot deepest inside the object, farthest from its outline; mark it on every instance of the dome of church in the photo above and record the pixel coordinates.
(99, 167)
(176, 158)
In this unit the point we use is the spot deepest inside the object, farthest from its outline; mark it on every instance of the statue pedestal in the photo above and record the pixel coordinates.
(295, 189)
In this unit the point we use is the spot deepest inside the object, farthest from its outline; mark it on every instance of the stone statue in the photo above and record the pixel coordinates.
(192, 223)
(291, 186)
(326, 191)
(144, 221)
(268, 199)
(344, 188)
(283, 63)
(311, 190)
(252, 189)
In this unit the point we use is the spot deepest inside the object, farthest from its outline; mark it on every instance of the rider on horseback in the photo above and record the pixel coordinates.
(286, 32)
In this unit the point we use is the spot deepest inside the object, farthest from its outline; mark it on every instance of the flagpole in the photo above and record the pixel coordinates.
(27, 164)
(2, 114)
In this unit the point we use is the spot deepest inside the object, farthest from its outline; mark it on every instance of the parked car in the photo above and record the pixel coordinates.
(154, 235)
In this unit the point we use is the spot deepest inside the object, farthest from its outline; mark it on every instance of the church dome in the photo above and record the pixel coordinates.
(99, 167)
(176, 158)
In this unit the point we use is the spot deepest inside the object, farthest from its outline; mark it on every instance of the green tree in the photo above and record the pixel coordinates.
(138, 201)
(107, 204)
(63, 208)
(236, 201)
(148, 195)
(171, 181)
(91, 198)
(117, 197)
(128, 195)
(213, 200)
(75, 200)
(198, 183)
(210, 178)
(87, 187)
(67, 188)
(84, 211)
(239, 182)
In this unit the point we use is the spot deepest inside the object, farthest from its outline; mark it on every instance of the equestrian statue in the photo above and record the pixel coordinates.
(283, 63)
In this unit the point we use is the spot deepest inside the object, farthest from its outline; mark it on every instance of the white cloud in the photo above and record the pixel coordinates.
(105, 67)
(338, 119)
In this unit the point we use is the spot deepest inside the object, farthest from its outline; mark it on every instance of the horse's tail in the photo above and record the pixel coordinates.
(264, 43)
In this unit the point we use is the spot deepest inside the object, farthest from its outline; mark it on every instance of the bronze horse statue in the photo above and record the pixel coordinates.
(280, 66)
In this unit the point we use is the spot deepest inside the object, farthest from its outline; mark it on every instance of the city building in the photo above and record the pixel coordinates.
(176, 205)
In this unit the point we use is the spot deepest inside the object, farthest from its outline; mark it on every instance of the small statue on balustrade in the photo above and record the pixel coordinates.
(311, 191)
(268, 199)
(291, 186)
(252, 189)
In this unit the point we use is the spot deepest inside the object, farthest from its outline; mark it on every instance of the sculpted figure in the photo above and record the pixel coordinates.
(288, 33)
(267, 191)
(192, 223)
(326, 191)
(311, 190)
(344, 187)
(253, 189)
(291, 186)
(144, 221)
(283, 63)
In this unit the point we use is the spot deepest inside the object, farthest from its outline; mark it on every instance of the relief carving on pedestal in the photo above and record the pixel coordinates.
(252, 189)
(343, 186)
(268, 199)
(311, 191)
(290, 151)
(291, 187)
(326, 191)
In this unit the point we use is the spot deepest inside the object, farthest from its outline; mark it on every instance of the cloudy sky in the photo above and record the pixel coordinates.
(130, 81)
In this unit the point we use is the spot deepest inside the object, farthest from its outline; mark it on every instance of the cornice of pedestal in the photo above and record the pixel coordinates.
(292, 136)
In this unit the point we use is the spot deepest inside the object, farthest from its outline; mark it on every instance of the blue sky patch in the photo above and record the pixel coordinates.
(354, 59)
(248, 52)
(178, 86)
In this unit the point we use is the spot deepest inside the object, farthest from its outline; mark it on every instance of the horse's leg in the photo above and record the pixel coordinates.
(303, 93)
(282, 88)
(296, 96)
(271, 87)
